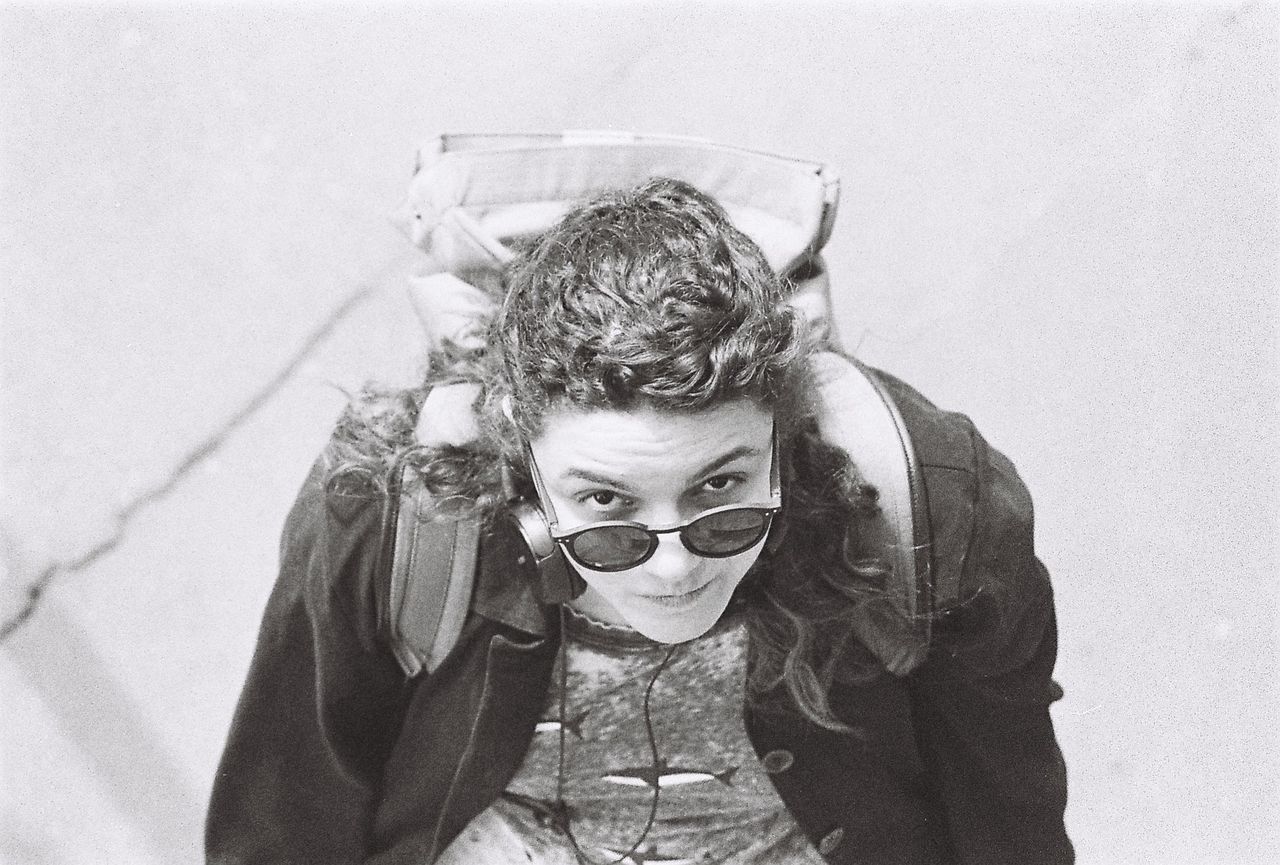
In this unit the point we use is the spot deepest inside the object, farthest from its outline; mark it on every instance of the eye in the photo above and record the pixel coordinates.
(722, 483)
(604, 502)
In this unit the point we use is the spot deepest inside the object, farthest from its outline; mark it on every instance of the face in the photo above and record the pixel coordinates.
(660, 469)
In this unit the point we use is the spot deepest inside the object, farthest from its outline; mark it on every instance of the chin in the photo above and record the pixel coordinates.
(674, 632)
(679, 625)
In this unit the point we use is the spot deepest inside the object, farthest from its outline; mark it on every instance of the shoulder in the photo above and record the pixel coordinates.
(995, 596)
(331, 549)
(942, 439)
(345, 498)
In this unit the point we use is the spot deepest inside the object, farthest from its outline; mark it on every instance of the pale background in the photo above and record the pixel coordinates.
(1061, 220)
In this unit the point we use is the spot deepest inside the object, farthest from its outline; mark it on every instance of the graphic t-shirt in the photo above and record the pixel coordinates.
(678, 782)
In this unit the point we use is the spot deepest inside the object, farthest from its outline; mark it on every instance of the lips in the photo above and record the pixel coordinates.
(679, 599)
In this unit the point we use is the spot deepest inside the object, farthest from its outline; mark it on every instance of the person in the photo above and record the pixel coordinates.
(698, 692)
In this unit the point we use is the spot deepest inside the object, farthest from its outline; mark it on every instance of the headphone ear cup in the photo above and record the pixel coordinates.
(556, 581)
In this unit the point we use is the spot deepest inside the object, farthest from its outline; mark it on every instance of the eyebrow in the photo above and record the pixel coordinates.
(593, 478)
(737, 453)
(605, 481)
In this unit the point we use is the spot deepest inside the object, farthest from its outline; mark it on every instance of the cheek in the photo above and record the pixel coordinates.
(608, 585)
(739, 565)
(605, 584)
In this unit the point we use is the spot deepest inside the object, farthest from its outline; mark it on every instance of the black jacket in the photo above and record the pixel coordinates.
(334, 757)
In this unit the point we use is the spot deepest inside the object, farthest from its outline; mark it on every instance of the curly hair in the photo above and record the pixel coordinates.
(645, 295)
(651, 297)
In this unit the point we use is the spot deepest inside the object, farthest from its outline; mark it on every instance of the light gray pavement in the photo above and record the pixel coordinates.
(1061, 221)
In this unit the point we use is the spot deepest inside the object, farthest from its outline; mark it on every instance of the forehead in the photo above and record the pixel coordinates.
(646, 444)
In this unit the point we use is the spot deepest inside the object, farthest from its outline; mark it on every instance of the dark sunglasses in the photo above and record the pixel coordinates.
(619, 545)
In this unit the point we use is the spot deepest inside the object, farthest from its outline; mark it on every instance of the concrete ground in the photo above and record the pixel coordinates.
(1061, 220)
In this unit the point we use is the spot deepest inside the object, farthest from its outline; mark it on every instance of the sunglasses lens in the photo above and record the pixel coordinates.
(611, 548)
(727, 533)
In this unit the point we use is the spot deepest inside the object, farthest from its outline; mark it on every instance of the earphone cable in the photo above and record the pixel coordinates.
(562, 807)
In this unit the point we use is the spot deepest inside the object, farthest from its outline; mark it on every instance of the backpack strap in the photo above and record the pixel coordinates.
(433, 567)
(860, 416)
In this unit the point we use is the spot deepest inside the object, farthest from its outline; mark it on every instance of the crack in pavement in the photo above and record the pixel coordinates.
(207, 447)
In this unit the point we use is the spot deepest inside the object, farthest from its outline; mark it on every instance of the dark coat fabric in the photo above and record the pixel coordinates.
(335, 757)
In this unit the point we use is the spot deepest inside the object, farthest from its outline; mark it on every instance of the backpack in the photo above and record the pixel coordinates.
(473, 196)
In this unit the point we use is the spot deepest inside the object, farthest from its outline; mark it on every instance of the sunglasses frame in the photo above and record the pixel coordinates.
(565, 539)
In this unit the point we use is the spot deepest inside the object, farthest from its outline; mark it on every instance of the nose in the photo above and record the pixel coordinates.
(671, 562)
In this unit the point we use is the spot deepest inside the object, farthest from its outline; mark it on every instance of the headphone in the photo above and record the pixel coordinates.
(542, 561)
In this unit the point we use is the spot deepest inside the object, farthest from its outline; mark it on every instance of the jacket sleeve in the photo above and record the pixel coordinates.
(981, 700)
(298, 778)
